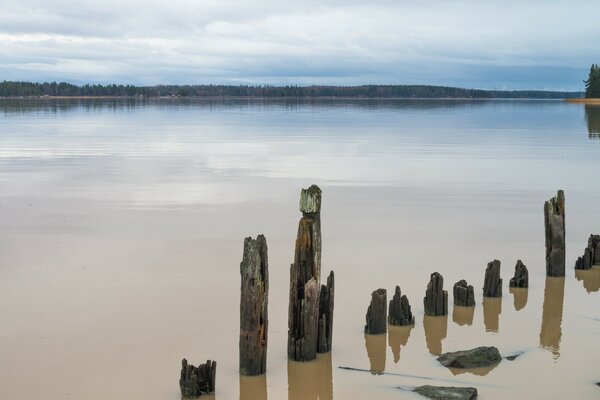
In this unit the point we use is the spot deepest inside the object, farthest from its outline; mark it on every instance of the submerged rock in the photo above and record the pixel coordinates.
(463, 294)
(400, 313)
(521, 278)
(591, 255)
(447, 392)
(475, 358)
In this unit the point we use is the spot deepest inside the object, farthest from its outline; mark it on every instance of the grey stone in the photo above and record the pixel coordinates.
(447, 392)
(474, 358)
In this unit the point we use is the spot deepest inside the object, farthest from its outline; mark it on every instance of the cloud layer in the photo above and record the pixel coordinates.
(492, 44)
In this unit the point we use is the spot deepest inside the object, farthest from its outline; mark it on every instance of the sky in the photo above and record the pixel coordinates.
(491, 44)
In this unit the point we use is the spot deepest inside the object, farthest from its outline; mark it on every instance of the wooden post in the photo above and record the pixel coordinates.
(196, 381)
(325, 331)
(591, 255)
(521, 278)
(400, 313)
(554, 222)
(436, 298)
(492, 285)
(310, 206)
(376, 318)
(463, 294)
(254, 318)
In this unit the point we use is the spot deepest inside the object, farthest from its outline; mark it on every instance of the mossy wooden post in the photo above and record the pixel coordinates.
(304, 313)
(197, 381)
(376, 318)
(254, 318)
(325, 331)
(400, 313)
(554, 222)
(492, 285)
(436, 298)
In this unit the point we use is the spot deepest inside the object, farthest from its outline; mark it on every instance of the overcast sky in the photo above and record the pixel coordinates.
(503, 44)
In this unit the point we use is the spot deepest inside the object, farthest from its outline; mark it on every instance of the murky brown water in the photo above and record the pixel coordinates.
(122, 225)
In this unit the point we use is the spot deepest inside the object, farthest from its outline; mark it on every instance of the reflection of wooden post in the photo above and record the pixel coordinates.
(436, 329)
(520, 297)
(253, 387)
(254, 321)
(492, 285)
(398, 337)
(521, 278)
(311, 380)
(376, 318)
(554, 222)
(463, 315)
(375, 345)
(492, 308)
(436, 298)
(196, 381)
(551, 332)
(326, 315)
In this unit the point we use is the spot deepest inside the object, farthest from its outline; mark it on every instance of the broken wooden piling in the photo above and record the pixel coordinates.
(591, 254)
(326, 302)
(254, 319)
(436, 298)
(521, 278)
(400, 313)
(492, 285)
(197, 381)
(463, 294)
(376, 318)
(554, 223)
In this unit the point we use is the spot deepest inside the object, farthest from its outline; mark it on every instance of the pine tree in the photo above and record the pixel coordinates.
(592, 84)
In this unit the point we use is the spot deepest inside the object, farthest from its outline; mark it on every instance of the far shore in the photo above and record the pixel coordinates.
(583, 101)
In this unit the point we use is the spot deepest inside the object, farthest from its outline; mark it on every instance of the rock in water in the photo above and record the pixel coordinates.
(447, 392)
(436, 298)
(325, 332)
(376, 318)
(475, 358)
(521, 278)
(492, 286)
(254, 318)
(399, 311)
(591, 255)
(554, 222)
(196, 381)
(463, 294)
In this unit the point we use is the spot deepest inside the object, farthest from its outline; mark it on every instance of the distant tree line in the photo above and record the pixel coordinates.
(592, 84)
(31, 89)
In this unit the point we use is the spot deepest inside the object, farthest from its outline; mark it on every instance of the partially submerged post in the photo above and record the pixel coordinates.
(492, 286)
(463, 294)
(436, 298)
(521, 278)
(197, 381)
(305, 275)
(376, 318)
(400, 313)
(591, 255)
(554, 222)
(325, 331)
(254, 321)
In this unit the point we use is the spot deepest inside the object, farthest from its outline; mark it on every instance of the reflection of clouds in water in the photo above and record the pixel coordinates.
(519, 297)
(463, 315)
(551, 332)
(397, 338)
(492, 308)
(311, 380)
(376, 350)
(590, 278)
(436, 329)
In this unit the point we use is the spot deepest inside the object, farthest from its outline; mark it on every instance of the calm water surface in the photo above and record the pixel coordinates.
(122, 224)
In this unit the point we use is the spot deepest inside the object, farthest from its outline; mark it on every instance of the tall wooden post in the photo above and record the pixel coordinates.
(554, 222)
(376, 318)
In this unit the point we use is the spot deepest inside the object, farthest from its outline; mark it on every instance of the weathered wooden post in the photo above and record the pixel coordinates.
(591, 254)
(325, 331)
(376, 318)
(463, 294)
(197, 381)
(254, 318)
(400, 313)
(310, 206)
(521, 278)
(492, 285)
(554, 222)
(436, 298)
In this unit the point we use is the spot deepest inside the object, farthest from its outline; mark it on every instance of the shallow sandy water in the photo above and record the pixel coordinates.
(121, 232)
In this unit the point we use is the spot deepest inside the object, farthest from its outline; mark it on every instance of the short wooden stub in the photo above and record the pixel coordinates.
(554, 222)
(492, 285)
(436, 298)
(400, 313)
(376, 318)
(254, 300)
(463, 294)
(591, 254)
(197, 381)
(521, 277)
(326, 303)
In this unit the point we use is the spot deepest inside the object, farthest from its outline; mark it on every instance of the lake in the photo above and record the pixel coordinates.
(122, 226)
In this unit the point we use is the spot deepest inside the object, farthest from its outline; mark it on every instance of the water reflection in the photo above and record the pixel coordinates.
(592, 118)
(492, 308)
(253, 387)
(436, 329)
(463, 315)
(481, 371)
(375, 345)
(519, 297)
(312, 380)
(398, 337)
(551, 332)
(590, 278)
